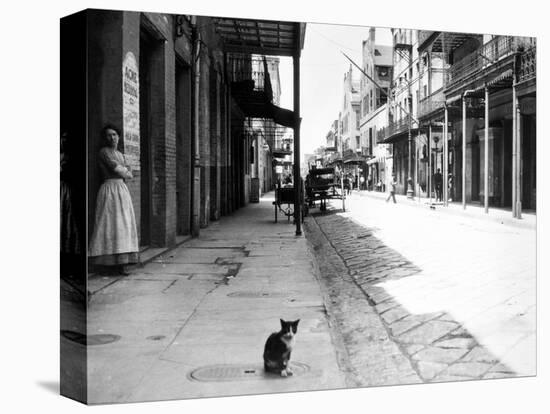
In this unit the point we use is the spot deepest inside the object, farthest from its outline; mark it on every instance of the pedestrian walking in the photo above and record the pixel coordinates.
(393, 184)
(114, 241)
(438, 183)
(450, 184)
(347, 185)
(362, 182)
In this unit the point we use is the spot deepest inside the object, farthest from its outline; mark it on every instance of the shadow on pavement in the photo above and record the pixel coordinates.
(439, 348)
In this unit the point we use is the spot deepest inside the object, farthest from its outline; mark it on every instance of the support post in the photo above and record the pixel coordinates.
(410, 191)
(297, 177)
(514, 152)
(518, 158)
(445, 158)
(486, 154)
(430, 163)
(464, 151)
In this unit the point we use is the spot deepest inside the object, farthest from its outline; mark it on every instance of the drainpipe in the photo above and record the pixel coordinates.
(464, 147)
(195, 223)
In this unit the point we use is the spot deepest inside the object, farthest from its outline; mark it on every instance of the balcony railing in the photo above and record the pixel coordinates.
(249, 74)
(528, 64)
(381, 135)
(398, 127)
(431, 103)
(485, 56)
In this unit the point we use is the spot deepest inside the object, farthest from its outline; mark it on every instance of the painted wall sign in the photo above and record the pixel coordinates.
(130, 111)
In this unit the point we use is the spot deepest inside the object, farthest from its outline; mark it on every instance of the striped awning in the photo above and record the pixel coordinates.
(502, 80)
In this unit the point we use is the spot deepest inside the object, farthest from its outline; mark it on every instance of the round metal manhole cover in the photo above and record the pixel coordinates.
(253, 294)
(220, 373)
(98, 339)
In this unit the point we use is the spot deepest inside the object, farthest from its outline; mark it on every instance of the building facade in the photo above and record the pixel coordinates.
(186, 93)
(375, 88)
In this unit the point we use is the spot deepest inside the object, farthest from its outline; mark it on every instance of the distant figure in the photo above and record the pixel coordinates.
(362, 182)
(393, 184)
(379, 185)
(356, 182)
(438, 183)
(450, 187)
(347, 185)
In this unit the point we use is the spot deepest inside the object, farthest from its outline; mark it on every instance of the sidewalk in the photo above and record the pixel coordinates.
(498, 215)
(193, 322)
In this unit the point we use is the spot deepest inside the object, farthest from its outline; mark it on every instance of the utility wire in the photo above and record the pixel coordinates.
(333, 41)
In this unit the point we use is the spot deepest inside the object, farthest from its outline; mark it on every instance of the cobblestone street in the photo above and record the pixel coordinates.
(451, 298)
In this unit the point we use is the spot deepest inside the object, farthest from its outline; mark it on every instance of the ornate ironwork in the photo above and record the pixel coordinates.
(483, 57)
(431, 104)
(528, 64)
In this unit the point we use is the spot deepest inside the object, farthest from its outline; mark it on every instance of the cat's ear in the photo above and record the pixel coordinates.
(296, 322)
(282, 323)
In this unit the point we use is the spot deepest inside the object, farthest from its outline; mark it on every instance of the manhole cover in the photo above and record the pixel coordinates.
(98, 339)
(250, 294)
(220, 373)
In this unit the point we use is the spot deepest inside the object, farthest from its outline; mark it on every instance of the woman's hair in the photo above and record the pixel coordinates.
(105, 128)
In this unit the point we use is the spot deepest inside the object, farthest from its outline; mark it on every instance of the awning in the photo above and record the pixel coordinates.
(500, 81)
(354, 160)
(261, 37)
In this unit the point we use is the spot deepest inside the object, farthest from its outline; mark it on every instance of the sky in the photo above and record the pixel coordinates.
(322, 68)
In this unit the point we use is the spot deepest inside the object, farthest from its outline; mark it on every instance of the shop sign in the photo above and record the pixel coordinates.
(130, 111)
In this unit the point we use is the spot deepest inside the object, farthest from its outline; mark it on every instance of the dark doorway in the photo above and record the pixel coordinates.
(146, 47)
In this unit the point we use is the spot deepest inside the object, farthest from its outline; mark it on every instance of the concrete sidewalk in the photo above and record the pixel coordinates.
(193, 322)
(472, 211)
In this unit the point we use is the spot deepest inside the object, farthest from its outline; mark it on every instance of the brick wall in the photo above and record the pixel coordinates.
(168, 172)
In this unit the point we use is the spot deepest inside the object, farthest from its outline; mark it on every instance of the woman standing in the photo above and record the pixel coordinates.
(114, 240)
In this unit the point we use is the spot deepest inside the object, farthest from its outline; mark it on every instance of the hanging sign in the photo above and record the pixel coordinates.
(130, 111)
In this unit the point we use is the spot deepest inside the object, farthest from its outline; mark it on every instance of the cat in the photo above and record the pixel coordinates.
(278, 348)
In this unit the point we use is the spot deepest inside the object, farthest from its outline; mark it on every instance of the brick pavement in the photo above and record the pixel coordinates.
(457, 296)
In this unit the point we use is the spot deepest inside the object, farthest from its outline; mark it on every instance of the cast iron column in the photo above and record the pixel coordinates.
(464, 151)
(486, 155)
(410, 191)
(445, 159)
(297, 120)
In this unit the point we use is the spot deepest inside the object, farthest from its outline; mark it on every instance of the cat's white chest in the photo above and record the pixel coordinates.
(289, 342)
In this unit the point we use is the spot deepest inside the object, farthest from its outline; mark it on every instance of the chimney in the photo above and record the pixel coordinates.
(372, 35)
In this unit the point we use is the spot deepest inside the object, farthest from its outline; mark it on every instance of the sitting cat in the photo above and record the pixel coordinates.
(278, 348)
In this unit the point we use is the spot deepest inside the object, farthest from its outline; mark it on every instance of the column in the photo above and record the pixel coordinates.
(486, 155)
(430, 163)
(445, 158)
(518, 158)
(464, 151)
(297, 180)
(514, 152)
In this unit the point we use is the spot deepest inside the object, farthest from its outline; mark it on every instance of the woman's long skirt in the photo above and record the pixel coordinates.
(114, 239)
